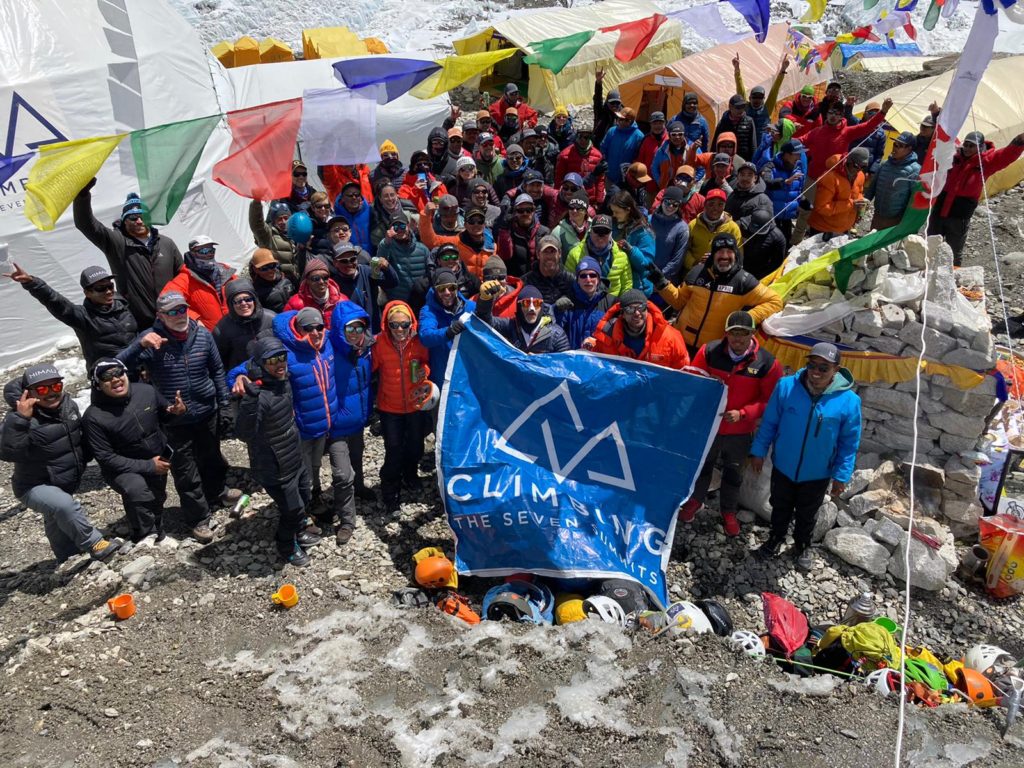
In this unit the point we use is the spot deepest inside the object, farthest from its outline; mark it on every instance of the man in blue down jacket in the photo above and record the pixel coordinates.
(813, 424)
(892, 186)
(183, 361)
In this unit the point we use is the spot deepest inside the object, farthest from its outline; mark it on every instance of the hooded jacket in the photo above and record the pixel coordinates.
(505, 305)
(353, 371)
(444, 164)
(433, 327)
(671, 236)
(813, 438)
(393, 365)
(362, 223)
(572, 160)
(335, 177)
(701, 235)
(408, 260)
(834, 209)
(580, 321)
(266, 235)
(691, 208)
(640, 248)
(304, 298)
(749, 381)
(742, 204)
(785, 196)
(206, 302)
(509, 179)
(745, 130)
(101, 331)
(141, 269)
(236, 335)
(47, 448)
(546, 335)
(701, 159)
(825, 141)
(965, 180)
(706, 298)
(266, 423)
(649, 147)
(615, 268)
(272, 296)
(468, 283)
(662, 343)
(620, 147)
(473, 257)
(764, 253)
(666, 161)
(125, 433)
(527, 114)
(892, 187)
(192, 367)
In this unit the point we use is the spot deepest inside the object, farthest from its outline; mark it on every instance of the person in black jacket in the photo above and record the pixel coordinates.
(748, 196)
(183, 361)
(273, 289)
(736, 120)
(266, 422)
(443, 257)
(361, 283)
(764, 245)
(123, 429)
(531, 330)
(42, 435)
(103, 324)
(142, 260)
(549, 276)
(235, 333)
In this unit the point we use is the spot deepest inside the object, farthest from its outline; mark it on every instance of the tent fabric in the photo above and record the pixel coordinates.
(997, 111)
(710, 74)
(273, 51)
(330, 42)
(574, 85)
(247, 51)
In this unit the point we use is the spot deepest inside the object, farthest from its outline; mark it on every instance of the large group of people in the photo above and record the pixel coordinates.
(647, 240)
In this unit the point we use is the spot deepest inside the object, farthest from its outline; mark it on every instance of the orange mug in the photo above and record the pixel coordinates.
(122, 606)
(287, 596)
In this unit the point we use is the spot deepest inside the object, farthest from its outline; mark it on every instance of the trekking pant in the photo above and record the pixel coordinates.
(67, 527)
(879, 222)
(291, 498)
(799, 500)
(143, 497)
(953, 231)
(403, 448)
(803, 214)
(786, 227)
(732, 450)
(346, 454)
(198, 468)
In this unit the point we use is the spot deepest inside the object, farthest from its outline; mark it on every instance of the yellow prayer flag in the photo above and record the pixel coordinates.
(60, 172)
(815, 12)
(455, 70)
(785, 284)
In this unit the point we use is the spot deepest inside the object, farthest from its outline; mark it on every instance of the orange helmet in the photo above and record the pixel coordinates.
(434, 572)
(977, 687)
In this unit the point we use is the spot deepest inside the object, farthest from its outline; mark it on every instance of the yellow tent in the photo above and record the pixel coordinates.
(225, 53)
(334, 42)
(575, 83)
(273, 51)
(998, 109)
(710, 74)
(247, 51)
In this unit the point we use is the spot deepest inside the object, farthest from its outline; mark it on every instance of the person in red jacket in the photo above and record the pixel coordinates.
(750, 374)
(972, 165)
(527, 114)
(335, 177)
(584, 158)
(317, 290)
(401, 363)
(420, 185)
(693, 201)
(202, 280)
(653, 140)
(635, 328)
(833, 137)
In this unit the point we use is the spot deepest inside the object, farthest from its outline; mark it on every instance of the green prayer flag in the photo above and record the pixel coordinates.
(912, 221)
(165, 160)
(555, 53)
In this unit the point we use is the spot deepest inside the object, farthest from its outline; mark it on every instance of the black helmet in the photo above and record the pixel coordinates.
(721, 622)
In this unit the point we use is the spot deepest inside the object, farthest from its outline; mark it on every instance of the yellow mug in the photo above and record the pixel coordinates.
(287, 596)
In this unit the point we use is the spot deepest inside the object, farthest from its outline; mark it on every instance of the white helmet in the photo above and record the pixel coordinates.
(686, 615)
(606, 609)
(884, 681)
(990, 660)
(426, 396)
(749, 643)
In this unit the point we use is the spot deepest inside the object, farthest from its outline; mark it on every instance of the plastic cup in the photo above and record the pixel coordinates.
(889, 624)
(287, 596)
(122, 606)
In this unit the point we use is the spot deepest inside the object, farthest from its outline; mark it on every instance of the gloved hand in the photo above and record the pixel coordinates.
(805, 204)
(564, 304)
(455, 328)
(224, 422)
(601, 168)
(657, 276)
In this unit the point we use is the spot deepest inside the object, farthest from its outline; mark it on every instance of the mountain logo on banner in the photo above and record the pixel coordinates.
(561, 472)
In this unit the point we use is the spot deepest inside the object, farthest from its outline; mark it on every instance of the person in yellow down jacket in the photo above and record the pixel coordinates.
(714, 289)
(712, 221)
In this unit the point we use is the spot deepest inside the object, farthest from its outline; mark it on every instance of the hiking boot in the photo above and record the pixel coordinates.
(343, 534)
(689, 511)
(364, 493)
(229, 497)
(803, 556)
(392, 505)
(295, 556)
(413, 484)
(731, 524)
(316, 526)
(104, 549)
(203, 533)
(770, 549)
(307, 539)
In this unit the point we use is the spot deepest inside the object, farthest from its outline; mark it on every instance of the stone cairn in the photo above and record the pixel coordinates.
(868, 527)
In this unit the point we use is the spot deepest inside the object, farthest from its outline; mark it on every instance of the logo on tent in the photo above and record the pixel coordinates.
(40, 132)
(611, 432)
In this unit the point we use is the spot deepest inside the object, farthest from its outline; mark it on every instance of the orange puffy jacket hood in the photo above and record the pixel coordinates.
(393, 364)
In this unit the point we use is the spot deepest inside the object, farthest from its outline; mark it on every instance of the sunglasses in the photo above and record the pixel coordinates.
(899, 144)
(635, 309)
(345, 262)
(318, 278)
(475, 221)
(103, 288)
(299, 175)
(276, 359)
(532, 303)
(352, 195)
(588, 276)
(243, 300)
(313, 327)
(449, 288)
(269, 267)
(399, 226)
(570, 188)
(112, 373)
(524, 209)
(399, 325)
(355, 330)
(819, 367)
(208, 250)
(449, 257)
(321, 206)
(133, 218)
(601, 232)
(676, 133)
(670, 203)
(684, 179)
(44, 389)
(516, 155)
(176, 312)
(577, 207)
(724, 144)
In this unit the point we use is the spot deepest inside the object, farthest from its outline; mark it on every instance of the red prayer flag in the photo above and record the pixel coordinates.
(263, 138)
(635, 36)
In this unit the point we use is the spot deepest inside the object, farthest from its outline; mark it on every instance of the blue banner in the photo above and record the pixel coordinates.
(570, 464)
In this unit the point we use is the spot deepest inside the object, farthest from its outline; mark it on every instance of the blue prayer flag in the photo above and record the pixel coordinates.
(396, 75)
(757, 14)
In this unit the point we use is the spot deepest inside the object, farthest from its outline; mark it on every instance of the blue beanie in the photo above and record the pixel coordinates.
(133, 206)
(588, 263)
(529, 292)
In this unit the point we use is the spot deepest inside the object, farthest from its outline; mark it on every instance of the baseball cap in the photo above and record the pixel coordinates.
(549, 241)
(37, 374)
(511, 88)
(746, 165)
(686, 170)
(716, 194)
(455, 131)
(170, 300)
(448, 201)
(757, 90)
(602, 221)
(527, 133)
(928, 120)
(308, 316)
(201, 240)
(639, 172)
(532, 175)
(737, 101)
(485, 137)
(512, 111)
(740, 321)
(470, 125)
(626, 113)
(872, 106)
(722, 159)
(907, 137)
(299, 164)
(92, 275)
(676, 127)
(657, 116)
(976, 137)
(675, 194)
(521, 198)
(793, 145)
(268, 346)
(825, 351)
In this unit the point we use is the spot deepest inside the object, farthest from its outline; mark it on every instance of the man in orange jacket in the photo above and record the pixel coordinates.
(750, 374)
(201, 281)
(840, 197)
(635, 328)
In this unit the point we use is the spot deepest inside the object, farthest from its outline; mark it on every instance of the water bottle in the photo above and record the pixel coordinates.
(414, 370)
(241, 505)
(859, 610)
(375, 270)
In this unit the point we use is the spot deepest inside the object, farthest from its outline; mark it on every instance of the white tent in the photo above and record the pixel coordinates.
(78, 70)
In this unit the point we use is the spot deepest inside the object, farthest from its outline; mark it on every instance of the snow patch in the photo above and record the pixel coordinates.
(820, 685)
(586, 700)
